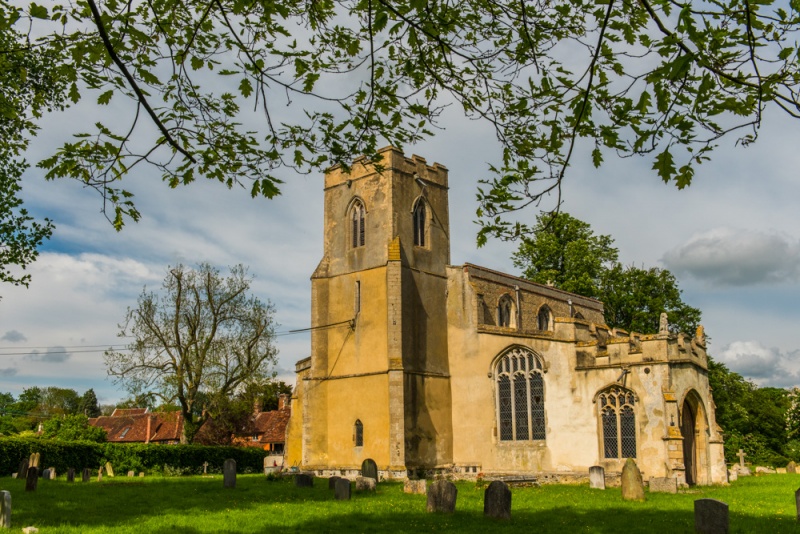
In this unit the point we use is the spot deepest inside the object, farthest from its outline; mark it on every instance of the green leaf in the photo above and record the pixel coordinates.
(246, 88)
(597, 157)
(38, 12)
(105, 98)
(664, 165)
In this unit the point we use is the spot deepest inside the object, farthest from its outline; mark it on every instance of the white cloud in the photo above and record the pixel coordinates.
(13, 336)
(735, 257)
(51, 355)
(765, 366)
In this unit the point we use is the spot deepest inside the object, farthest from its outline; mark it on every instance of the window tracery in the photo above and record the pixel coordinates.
(357, 217)
(520, 396)
(618, 421)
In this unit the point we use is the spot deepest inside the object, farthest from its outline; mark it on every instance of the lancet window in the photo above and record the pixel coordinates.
(419, 223)
(618, 419)
(358, 433)
(544, 318)
(519, 382)
(357, 214)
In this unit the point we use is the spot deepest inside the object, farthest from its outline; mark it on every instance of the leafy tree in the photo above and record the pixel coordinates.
(202, 333)
(652, 78)
(88, 404)
(566, 252)
(72, 428)
(59, 401)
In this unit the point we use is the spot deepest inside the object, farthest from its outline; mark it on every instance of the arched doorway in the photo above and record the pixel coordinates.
(694, 429)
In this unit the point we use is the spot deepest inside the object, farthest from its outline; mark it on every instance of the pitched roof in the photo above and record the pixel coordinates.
(122, 412)
(272, 425)
(164, 426)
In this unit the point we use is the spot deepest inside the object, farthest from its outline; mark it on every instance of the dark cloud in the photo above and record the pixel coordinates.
(731, 257)
(765, 366)
(14, 336)
(51, 355)
(8, 371)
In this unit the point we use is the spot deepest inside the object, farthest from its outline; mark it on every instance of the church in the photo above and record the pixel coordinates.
(424, 366)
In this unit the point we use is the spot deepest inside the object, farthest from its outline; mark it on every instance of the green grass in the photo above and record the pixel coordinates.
(201, 504)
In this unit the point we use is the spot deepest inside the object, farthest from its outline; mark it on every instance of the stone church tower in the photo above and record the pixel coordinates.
(422, 365)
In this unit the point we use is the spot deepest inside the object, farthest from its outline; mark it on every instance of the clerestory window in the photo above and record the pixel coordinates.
(519, 382)
(618, 419)
(545, 318)
(357, 216)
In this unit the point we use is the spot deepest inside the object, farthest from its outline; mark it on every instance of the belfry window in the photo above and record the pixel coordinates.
(505, 312)
(358, 433)
(544, 318)
(520, 396)
(419, 223)
(357, 221)
(618, 420)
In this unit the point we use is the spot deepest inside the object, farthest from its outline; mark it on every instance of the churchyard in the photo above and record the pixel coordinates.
(255, 503)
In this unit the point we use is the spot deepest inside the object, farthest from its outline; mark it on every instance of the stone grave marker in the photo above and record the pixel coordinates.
(100, 475)
(365, 484)
(32, 479)
(131, 473)
(13, 475)
(205, 468)
(229, 473)
(141, 474)
(342, 489)
(710, 516)
(369, 469)
(109, 469)
(780, 470)
(764, 470)
(86, 474)
(22, 470)
(663, 485)
(302, 480)
(597, 477)
(34, 460)
(71, 474)
(52, 473)
(791, 467)
(332, 482)
(632, 484)
(419, 487)
(497, 501)
(5, 509)
(797, 502)
(46, 474)
(442, 496)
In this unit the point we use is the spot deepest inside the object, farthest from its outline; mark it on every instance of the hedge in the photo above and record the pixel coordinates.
(151, 458)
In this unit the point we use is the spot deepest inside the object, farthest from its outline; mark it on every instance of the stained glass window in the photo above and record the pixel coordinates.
(618, 419)
(359, 433)
(520, 396)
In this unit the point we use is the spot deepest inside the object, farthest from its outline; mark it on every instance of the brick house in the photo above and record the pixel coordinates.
(138, 425)
(266, 430)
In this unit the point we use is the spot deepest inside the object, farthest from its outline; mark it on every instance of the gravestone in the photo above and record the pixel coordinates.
(442, 496)
(791, 467)
(797, 502)
(52, 473)
(342, 489)
(710, 516)
(780, 470)
(229, 473)
(332, 482)
(34, 460)
(418, 487)
(497, 501)
(131, 473)
(71, 474)
(741, 454)
(86, 475)
(22, 470)
(764, 470)
(13, 475)
(301, 480)
(141, 474)
(632, 484)
(365, 484)
(100, 475)
(32, 479)
(5, 509)
(46, 474)
(205, 468)
(369, 469)
(663, 485)
(109, 469)
(744, 471)
(597, 477)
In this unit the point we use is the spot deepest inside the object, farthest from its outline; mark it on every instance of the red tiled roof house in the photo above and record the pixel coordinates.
(137, 425)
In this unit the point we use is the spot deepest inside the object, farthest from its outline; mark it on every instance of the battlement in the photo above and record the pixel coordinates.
(393, 161)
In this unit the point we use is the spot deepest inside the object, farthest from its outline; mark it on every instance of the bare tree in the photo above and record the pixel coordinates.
(202, 334)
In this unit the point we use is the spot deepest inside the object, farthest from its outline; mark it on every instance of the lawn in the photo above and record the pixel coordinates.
(200, 504)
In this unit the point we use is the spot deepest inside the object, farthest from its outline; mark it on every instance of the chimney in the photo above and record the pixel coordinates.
(257, 407)
(283, 401)
(149, 427)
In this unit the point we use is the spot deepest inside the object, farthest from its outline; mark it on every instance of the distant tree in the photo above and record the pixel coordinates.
(88, 405)
(565, 251)
(29, 400)
(202, 333)
(59, 401)
(72, 428)
(139, 400)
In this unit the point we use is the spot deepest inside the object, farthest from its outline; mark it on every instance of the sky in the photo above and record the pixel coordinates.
(732, 239)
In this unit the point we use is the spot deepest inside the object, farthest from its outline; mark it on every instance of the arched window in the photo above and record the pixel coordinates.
(357, 220)
(618, 418)
(505, 312)
(358, 435)
(419, 223)
(544, 322)
(520, 396)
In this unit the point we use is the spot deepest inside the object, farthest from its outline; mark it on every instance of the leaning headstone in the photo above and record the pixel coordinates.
(22, 470)
(597, 477)
(710, 516)
(663, 485)
(131, 473)
(71, 474)
(109, 469)
(301, 480)
(5, 509)
(332, 482)
(369, 469)
(791, 467)
(13, 475)
(365, 484)
(100, 475)
(229, 473)
(86, 475)
(497, 501)
(797, 503)
(342, 489)
(32, 480)
(632, 484)
(442, 496)
(418, 487)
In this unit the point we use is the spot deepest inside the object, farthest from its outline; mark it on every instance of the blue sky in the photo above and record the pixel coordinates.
(732, 239)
